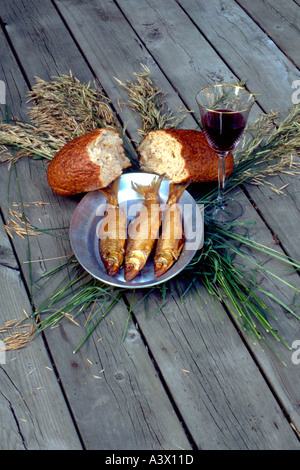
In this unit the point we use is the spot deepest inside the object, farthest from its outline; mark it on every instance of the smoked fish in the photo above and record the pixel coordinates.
(112, 231)
(171, 240)
(143, 230)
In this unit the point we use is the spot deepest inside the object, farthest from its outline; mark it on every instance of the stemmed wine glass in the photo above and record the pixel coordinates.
(224, 111)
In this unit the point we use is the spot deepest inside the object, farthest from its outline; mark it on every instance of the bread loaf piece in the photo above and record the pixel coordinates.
(87, 163)
(181, 155)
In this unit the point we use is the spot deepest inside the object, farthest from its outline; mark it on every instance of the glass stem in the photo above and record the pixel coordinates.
(221, 177)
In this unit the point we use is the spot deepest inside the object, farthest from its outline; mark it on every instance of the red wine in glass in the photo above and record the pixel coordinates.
(223, 129)
(224, 111)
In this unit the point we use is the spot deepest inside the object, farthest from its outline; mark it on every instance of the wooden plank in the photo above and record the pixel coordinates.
(282, 378)
(71, 20)
(194, 352)
(104, 381)
(154, 16)
(41, 40)
(261, 64)
(33, 412)
(280, 20)
(31, 417)
(132, 50)
(108, 42)
(175, 35)
(207, 18)
(116, 397)
(197, 355)
(241, 410)
(281, 211)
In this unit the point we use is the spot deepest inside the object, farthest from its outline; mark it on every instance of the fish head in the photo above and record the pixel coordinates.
(112, 262)
(162, 263)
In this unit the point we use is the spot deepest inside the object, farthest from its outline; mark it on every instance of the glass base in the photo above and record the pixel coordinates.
(227, 212)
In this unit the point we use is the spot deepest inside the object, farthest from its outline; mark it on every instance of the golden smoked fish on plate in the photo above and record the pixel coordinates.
(112, 230)
(133, 234)
(171, 240)
(143, 230)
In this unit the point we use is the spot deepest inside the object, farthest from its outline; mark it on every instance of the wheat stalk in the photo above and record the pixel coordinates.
(67, 108)
(148, 102)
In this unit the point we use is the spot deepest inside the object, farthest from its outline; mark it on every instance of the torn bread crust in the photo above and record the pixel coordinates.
(181, 155)
(89, 162)
(107, 152)
(163, 153)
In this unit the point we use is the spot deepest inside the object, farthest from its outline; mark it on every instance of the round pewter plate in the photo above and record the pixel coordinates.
(90, 211)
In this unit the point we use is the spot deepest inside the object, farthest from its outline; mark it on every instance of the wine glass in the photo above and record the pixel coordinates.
(224, 111)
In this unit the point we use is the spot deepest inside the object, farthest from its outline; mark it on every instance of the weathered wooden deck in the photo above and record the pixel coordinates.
(182, 379)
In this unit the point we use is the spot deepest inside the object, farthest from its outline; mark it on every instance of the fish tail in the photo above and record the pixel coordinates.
(149, 191)
(175, 192)
(111, 192)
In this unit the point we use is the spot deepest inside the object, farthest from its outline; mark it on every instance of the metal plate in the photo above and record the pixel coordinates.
(87, 216)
